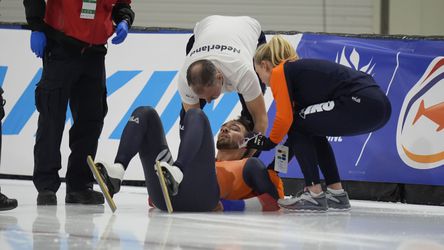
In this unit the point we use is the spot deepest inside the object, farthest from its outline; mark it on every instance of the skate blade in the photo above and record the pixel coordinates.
(101, 183)
(164, 188)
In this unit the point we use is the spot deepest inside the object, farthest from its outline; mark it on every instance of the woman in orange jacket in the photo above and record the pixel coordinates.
(314, 99)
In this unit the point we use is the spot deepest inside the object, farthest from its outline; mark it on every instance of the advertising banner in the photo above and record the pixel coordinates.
(410, 148)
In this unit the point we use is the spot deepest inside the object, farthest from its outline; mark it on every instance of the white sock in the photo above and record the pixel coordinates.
(335, 191)
(316, 194)
(263, 202)
(253, 204)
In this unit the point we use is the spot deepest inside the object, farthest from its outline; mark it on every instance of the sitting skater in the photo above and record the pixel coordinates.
(196, 181)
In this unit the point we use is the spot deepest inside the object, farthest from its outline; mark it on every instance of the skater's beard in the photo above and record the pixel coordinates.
(226, 143)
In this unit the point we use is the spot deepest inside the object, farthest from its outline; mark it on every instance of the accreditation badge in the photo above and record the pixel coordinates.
(88, 9)
(281, 159)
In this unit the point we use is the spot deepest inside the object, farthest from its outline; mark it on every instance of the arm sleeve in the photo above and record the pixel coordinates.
(249, 86)
(284, 112)
(122, 11)
(35, 13)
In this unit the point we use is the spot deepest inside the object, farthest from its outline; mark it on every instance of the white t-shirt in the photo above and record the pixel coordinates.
(230, 43)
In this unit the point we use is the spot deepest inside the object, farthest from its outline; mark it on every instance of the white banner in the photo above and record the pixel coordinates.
(141, 71)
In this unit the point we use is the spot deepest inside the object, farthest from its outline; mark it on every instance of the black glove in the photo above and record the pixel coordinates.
(260, 142)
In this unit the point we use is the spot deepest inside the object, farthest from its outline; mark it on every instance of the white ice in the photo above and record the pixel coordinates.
(370, 225)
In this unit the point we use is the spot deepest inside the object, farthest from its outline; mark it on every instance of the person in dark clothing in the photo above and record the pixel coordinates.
(5, 202)
(197, 182)
(71, 37)
(314, 99)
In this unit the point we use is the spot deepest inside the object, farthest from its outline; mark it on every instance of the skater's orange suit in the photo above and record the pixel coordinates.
(231, 182)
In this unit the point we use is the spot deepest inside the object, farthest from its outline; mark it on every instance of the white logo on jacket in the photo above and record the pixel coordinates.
(317, 108)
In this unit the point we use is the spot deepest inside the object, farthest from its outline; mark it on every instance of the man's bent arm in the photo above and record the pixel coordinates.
(256, 107)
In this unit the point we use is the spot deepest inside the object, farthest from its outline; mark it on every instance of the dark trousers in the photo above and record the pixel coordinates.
(244, 113)
(199, 189)
(2, 115)
(75, 77)
(358, 113)
(255, 175)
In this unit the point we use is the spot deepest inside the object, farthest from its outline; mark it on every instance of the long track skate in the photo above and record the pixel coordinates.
(101, 183)
(164, 188)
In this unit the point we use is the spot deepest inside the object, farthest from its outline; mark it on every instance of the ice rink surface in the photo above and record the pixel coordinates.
(370, 225)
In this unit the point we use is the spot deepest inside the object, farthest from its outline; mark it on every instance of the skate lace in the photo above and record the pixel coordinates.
(298, 194)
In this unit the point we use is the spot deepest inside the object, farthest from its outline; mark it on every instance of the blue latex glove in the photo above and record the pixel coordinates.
(38, 43)
(121, 32)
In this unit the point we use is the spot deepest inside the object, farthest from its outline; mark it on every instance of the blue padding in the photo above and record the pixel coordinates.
(233, 205)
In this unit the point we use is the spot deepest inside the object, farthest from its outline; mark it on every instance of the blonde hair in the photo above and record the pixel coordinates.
(277, 50)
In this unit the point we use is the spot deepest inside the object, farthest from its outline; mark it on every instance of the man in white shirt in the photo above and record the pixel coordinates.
(220, 59)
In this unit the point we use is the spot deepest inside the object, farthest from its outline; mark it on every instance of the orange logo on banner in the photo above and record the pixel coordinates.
(434, 113)
(420, 133)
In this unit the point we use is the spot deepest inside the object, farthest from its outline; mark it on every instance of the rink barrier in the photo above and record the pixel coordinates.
(404, 191)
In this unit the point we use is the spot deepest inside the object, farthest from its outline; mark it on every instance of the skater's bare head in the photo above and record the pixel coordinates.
(232, 134)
